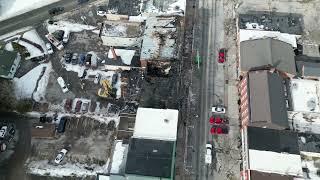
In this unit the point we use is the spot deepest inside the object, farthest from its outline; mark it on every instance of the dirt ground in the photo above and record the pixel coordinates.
(88, 141)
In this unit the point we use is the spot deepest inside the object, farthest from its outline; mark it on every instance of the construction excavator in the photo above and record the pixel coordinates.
(106, 88)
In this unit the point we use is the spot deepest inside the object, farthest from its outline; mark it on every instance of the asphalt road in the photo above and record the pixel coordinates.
(35, 17)
(212, 80)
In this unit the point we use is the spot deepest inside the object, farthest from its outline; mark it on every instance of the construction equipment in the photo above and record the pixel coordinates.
(106, 88)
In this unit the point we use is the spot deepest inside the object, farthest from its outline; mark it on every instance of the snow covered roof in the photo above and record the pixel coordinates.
(164, 7)
(305, 95)
(246, 34)
(305, 122)
(274, 162)
(267, 52)
(156, 124)
(159, 40)
(119, 158)
(125, 54)
(121, 41)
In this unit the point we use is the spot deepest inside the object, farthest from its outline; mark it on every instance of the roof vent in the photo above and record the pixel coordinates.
(311, 104)
(166, 120)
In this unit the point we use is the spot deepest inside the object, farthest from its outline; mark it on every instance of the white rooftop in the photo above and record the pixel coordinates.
(305, 95)
(305, 122)
(246, 34)
(273, 162)
(160, 124)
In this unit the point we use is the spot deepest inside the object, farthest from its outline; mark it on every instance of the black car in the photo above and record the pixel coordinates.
(62, 125)
(67, 57)
(88, 59)
(114, 79)
(74, 59)
(56, 10)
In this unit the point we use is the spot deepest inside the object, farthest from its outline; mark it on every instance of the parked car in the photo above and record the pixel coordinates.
(82, 59)
(85, 106)
(74, 59)
(82, 74)
(114, 79)
(3, 131)
(208, 156)
(97, 78)
(88, 59)
(60, 156)
(68, 105)
(218, 110)
(62, 125)
(93, 106)
(49, 48)
(101, 11)
(62, 84)
(66, 36)
(56, 10)
(82, 1)
(78, 106)
(67, 57)
(216, 120)
(218, 129)
(222, 55)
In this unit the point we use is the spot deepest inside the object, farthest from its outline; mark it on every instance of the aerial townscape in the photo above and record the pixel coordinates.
(159, 89)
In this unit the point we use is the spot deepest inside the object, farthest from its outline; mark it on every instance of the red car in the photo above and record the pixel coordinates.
(219, 130)
(216, 120)
(68, 105)
(78, 106)
(222, 55)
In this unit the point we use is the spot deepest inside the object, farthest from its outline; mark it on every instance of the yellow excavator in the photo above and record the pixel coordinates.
(106, 88)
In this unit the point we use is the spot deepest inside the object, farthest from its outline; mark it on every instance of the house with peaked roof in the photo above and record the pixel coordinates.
(263, 101)
(268, 52)
(9, 63)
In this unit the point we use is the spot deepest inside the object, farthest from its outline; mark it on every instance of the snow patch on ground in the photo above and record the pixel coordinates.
(68, 27)
(126, 55)
(25, 85)
(119, 157)
(13, 8)
(39, 94)
(79, 170)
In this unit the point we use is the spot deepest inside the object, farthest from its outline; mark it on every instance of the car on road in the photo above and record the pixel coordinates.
(222, 55)
(56, 10)
(67, 57)
(74, 59)
(49, 48)
(85, 106)
(60, 156)
(97, 78)
(78, 106)
(66, 36)
(62, 84)
(208, 156)
(216, 120)
(219, 129)
(218, 110)
(62, 125)
(101, 11)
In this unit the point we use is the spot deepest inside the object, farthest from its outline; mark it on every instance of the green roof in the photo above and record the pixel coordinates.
(6, 61)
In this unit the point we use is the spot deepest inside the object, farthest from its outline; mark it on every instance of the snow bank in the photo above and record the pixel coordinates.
(25, 85)
(68, 27)
(17, 7)
(39, 94)
(78, 170)
(119, 157)
(126, 55)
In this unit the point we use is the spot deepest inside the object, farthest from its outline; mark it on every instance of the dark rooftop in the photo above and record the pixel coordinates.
(308, 66)
(264, 139)
(267, 52)
(256, 175)
(6, 61)
(309, 142)
(267, 100)
(148, 157)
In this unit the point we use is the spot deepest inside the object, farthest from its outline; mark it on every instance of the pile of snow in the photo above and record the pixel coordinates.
(39, 94)
(126, 55)
(77, 170)
(259, 34)
(13, 8)
(25, 86)
(119, 157)
(68, 27)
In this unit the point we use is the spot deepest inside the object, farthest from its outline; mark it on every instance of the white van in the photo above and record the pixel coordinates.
(66, 36)
(62, 84)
